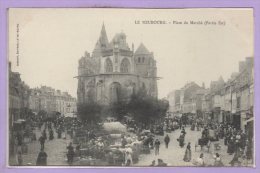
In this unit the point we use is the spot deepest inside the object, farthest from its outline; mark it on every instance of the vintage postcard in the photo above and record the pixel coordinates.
(131, 87)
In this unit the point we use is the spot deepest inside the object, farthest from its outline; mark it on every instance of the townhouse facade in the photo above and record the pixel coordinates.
(52, 101)
(229, 102)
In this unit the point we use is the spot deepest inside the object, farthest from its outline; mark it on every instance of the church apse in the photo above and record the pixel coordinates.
(113, 72)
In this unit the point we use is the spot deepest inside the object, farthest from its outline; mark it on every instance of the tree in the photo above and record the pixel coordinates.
(119, 110)
(89, 112)
(146, 109)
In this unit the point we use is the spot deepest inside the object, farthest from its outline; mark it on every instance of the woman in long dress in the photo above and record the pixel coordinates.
(187, 156)
(230, 149)
(181, 140)
(42, 158)
(51, 137)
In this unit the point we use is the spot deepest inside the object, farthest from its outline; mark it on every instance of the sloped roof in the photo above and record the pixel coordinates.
(142, 50)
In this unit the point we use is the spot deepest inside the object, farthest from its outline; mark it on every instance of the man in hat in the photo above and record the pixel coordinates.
(167, 140)
(70, 153)
(157, 146)
(42, 141)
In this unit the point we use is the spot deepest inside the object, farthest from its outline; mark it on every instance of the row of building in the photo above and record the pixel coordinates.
(51, 100)
(223, 102)
(23, 99)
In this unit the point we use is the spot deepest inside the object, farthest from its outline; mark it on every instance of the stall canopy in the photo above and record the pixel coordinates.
(20, 121)
(177, 115)
(69, 114)
(114, 127)
(249, 120)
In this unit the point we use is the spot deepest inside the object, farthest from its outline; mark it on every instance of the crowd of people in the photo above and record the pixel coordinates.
(96, 146)
(63, 127)
(238, 143)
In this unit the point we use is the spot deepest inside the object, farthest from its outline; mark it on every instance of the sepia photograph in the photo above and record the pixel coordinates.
(110, 87)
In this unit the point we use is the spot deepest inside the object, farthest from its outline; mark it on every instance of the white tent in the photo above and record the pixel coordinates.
(114, 126)
(69, 114)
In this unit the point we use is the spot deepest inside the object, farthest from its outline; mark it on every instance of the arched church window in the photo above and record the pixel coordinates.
(142, 59)
(125, 66)
(90, 96)
(139, 59)
(108, 66)
(115, 92)
(90, 91)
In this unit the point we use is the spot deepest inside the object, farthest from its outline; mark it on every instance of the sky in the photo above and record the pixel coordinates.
(51, 41)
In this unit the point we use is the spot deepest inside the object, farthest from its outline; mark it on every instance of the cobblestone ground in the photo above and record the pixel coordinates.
(173, 156)
(55, 149)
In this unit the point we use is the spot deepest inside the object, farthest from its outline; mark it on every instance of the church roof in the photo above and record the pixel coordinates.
(120, 39)
(142, 50)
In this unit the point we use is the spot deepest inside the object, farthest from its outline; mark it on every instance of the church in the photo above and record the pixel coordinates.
(113, 72)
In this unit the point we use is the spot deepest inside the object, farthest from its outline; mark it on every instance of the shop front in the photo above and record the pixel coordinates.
(226, 116)
(236, 120)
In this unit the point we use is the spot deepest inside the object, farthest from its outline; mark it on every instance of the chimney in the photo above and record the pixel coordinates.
(10, 66)
(249, 62)
(242, 66)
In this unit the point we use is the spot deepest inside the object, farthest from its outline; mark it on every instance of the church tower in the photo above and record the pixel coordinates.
(146, 68)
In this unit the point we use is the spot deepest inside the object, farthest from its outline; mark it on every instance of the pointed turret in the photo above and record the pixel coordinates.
(102, 42)
(103, 37)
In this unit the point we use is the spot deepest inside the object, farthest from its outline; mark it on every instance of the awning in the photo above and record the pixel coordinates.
(19, 121)
(249, 120)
